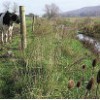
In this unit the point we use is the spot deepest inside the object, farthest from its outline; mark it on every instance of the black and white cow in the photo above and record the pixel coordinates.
(7, 21)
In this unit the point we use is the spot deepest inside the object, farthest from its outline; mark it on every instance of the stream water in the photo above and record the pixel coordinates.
(90, 41)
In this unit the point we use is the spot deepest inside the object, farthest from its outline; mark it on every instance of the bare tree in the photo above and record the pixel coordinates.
(10, 6)
(6, 5)
(15, 7)
(51, 10)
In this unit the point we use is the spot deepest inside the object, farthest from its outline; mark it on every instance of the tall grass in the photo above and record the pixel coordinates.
(44, 69)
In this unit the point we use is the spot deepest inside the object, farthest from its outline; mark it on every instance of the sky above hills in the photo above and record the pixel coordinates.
(37, 6)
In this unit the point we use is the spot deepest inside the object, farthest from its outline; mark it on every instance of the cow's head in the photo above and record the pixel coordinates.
(15, 18)
(12, 17)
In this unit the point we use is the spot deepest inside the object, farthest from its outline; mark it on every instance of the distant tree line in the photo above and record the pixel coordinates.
(50, 11)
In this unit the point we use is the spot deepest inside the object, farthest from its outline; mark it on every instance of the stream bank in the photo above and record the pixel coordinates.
(92, 43)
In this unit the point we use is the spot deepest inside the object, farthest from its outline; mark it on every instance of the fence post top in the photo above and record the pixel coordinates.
(22, 7)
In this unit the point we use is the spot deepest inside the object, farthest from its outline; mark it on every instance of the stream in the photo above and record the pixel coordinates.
(90, 42)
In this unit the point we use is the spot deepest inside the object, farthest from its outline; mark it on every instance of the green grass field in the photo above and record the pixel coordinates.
(51, 59)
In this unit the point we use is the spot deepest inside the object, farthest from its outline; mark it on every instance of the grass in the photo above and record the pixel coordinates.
(45, 67)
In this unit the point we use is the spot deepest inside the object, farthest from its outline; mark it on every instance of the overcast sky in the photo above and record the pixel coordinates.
(37, 6)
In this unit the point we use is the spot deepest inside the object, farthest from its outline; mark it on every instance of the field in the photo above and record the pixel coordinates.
(55, 63)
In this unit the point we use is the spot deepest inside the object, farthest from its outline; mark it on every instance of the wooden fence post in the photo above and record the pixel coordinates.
(33, 22)
(23, 28)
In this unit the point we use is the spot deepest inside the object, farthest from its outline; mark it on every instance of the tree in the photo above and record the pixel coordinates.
(10, 6)
(15, 7)
(51, 11)
(30, 14)
(6, 5)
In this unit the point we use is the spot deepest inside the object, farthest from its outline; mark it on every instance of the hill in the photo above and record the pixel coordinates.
(86, 11)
